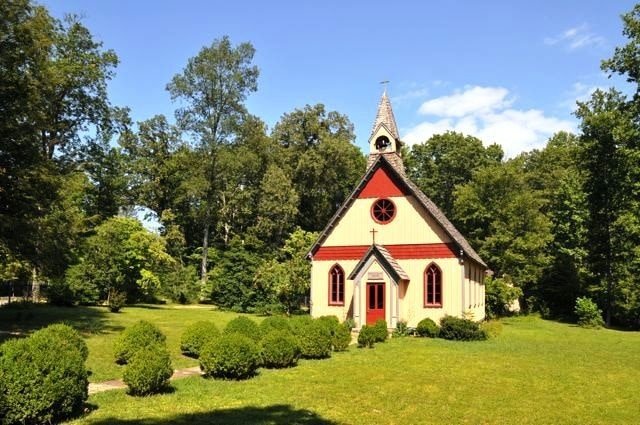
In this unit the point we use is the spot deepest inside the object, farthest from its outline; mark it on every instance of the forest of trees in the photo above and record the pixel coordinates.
(239, 205)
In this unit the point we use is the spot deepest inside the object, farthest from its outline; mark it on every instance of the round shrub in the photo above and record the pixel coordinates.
(455, 328)
(299, 323)
(148, 371)
(367, 336)
(69, 338)
(589, 316)
(275, 323)
(279, 348)
(427, 328)
(135, 337)
(341, 338)
(196, 335)
(315, 340)
(244, 326)
(44, 379)
(381, 331)
(232, 356)
(331, 322)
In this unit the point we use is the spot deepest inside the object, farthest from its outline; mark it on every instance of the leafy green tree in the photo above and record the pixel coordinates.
(213, 86)
(556, 172)
(445, 161)
(503, 218)
(287, 277)
(277, 208)
(121, 257)
(322, 160)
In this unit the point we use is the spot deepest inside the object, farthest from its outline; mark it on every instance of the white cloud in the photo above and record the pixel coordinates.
(486, 112)
(575, 38)
(472, 100)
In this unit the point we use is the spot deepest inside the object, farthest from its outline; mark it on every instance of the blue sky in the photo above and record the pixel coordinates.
(505, 71)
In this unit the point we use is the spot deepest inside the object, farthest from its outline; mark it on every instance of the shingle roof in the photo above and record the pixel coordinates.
(385, 117)
(385, 259)
(411, 188)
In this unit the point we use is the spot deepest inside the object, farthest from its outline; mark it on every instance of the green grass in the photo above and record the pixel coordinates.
(534, 372)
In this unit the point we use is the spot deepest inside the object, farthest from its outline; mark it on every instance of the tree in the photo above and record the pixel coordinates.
(503, 218)
(277, 208)
(53, 78)
(319, 155)
(213, 86)
(445, 161)
(122, 257)
(287, 277)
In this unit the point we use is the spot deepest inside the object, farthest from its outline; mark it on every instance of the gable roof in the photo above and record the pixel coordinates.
(412, 189)
(388, 263)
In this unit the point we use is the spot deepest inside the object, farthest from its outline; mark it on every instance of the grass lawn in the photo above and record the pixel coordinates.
(534, 372)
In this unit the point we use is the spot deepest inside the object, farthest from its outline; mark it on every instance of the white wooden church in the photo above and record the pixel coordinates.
(389, 252)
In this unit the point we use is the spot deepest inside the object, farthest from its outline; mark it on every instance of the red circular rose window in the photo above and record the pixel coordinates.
(383, 211)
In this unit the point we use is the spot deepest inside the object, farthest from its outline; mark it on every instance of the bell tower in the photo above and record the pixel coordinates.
(384, 139)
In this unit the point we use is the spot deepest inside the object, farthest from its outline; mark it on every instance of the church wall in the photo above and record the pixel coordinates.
(408, 226)
(412, 307)
(320, 289)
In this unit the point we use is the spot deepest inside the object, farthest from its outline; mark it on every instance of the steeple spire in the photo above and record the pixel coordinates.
(385, 116)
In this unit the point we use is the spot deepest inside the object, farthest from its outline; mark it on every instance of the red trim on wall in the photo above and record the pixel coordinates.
(381, 186)
(399, 252)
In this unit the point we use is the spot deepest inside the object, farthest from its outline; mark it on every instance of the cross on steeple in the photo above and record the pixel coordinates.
(386, 84)
(373, 235)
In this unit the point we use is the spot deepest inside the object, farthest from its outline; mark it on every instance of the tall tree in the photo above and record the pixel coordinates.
(445, 161)
(322, 160)
(213, 87)
(503, 218)
(53, 78)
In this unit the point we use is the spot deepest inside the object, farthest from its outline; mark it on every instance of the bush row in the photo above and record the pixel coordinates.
(277, 342)
(456, 329)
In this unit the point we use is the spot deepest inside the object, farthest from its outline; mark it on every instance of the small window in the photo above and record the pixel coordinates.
(383, 211)
(433, 286)
(336, 286)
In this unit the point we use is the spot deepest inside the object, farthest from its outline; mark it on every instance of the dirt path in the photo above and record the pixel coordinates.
(98, 387)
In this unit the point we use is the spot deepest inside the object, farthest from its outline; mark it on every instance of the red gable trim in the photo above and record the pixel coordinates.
(400, 252)
(381, 186)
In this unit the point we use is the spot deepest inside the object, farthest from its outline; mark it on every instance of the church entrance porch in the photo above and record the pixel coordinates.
(375, 302)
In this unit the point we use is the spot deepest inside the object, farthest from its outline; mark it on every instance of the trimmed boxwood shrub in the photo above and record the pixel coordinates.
(244, 326)
(232, 356)
(314, 339)
(196, 335)
(367, 336)
(341, 338)
(455, 328)
(69, 337)
(331, 322)
(381, 331)
(299, 323)
(135, 337)
(149, 370)
(273, 323)
(43, 377)
(279, 348)
(427, 328)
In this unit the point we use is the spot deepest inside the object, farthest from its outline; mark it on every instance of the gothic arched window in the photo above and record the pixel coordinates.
(433, 286)
(336, 285)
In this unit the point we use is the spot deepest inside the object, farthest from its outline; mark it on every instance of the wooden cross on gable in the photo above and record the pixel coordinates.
(373, 235)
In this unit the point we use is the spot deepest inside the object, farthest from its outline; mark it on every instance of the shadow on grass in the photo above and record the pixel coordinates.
(276, 414)
(22, 319)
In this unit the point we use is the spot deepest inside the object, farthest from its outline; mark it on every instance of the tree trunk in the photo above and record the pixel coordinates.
(35, 285)
(205, 252)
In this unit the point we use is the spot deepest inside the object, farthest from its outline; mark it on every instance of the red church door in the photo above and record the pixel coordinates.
(375, 302)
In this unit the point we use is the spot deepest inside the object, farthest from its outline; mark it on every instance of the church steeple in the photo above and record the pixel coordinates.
(385, 139)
